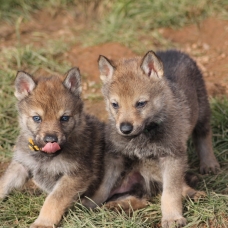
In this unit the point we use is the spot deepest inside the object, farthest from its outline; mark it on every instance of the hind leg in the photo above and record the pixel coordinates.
(127, 203)
(187, 191)
(203, 144)
(132, 189)
(202, 134)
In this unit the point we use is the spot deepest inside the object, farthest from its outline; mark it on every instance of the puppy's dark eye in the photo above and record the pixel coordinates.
(36, 119)
(140, 104)
(64, 118)
(115, 105)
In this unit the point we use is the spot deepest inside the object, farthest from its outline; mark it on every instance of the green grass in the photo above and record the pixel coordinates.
(20, 210)
(126, 22)
(104, 218)
(11, 9)
(136, 23)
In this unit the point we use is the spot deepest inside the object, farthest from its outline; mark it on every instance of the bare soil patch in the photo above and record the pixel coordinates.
(86, 58)
(207, 43)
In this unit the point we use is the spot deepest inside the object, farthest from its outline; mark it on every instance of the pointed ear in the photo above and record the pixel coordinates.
(106, 68)
(152, 65)
(73, 81)
(24, 85)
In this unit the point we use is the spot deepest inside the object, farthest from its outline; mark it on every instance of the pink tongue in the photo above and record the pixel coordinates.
(51, 147)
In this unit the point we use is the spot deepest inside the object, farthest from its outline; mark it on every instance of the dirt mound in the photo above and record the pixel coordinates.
(208, 44)
(86, 58)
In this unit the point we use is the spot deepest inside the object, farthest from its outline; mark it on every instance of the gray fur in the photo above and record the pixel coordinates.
(174, 102)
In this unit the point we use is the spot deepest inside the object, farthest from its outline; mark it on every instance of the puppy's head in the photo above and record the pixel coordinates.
(49, 108)
(133, 90)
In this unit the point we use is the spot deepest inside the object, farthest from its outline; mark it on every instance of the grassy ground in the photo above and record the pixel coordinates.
(129, 21)
(21, 208)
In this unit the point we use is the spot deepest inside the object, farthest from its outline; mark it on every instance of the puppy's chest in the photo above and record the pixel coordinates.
(45, 172)
(145, 149)
(45, 179)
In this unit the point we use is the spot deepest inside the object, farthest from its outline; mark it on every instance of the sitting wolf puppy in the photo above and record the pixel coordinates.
(155, 103)
(59, 146)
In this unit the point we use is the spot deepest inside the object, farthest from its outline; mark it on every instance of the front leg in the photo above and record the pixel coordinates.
(67, 189)
(15, 177)
(172, 169)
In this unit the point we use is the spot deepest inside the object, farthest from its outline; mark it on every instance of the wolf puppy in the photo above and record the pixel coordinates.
(155, 103)
(65, 156)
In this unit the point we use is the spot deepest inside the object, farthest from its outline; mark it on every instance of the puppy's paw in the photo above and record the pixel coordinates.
(127, 204)
(2, 196)
(2, 192)
(42, 224)
(209, 165)
(113, 205)
(195, 195)
(198, 195)
(35, 225)
(88, 203)
(174, 223)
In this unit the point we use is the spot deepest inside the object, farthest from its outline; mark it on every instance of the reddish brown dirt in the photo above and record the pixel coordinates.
(207, 43)
(86, 59)
(41, 28)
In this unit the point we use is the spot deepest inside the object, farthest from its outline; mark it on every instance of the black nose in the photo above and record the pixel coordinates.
(126, 128)
(50, 138)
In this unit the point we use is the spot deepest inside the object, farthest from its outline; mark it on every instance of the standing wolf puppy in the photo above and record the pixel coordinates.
(155, 103)
(59, 146)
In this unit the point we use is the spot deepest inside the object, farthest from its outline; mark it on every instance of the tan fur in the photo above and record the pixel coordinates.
(127, 204)
(192, 193)
(57, 201)
(75, 170)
